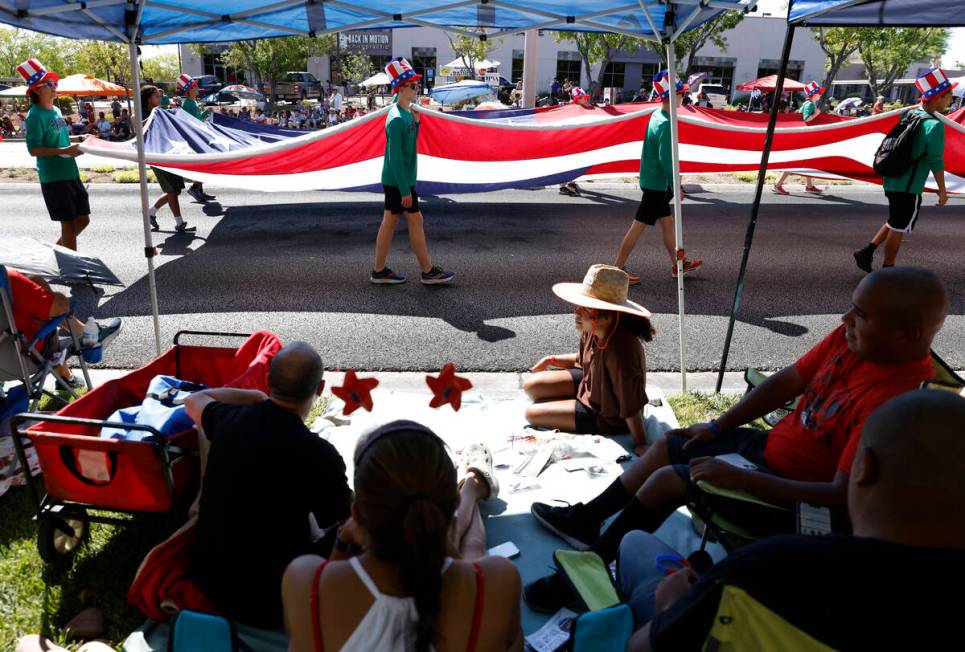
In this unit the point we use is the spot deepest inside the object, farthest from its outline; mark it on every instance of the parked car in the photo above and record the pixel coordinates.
(221, 97)
(296, 86)
(715, 94)
(208, 84)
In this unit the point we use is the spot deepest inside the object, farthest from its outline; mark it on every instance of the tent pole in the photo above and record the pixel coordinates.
(530, 47)
(677, 208)
(149, 250)
(755, 209)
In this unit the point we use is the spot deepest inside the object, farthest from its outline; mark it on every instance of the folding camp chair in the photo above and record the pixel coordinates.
(32, 361)
(743, 623)
(713, 503)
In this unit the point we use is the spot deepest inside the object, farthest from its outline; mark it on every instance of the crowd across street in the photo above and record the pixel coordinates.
(402, 562)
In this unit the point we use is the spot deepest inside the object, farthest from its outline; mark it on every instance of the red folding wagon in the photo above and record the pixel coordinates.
(159, 474)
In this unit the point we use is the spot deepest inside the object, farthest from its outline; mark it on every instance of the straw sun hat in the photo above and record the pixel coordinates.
(605, 288)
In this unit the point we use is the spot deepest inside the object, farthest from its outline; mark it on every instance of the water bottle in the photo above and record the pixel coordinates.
(91, 331)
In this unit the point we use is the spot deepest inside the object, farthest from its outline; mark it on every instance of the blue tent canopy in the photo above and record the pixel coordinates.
(197, 21)
(890, 13)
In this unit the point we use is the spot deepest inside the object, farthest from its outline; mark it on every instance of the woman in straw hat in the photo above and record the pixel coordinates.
(602, 388)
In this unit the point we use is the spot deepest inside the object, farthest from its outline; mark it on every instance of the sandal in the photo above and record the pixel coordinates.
(479, 459)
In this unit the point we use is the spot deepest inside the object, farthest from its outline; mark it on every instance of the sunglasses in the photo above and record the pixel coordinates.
(414, 87)
(51, 85)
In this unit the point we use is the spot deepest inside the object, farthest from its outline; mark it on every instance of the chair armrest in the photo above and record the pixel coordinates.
(735, 494)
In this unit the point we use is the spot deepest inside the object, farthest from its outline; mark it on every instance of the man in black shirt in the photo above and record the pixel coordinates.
(265, 474)
(891, 585)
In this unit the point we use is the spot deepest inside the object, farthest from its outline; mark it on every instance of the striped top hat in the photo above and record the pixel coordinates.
(934, 83)
(662, 86)
(185, 83)
(34, 73)
(400, 71)
(577, 94)
(813, 89)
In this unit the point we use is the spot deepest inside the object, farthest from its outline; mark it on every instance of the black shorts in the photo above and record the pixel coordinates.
(170, 183)
(65, 200)
(654, 205)
(586, 420)
(903, 210)
(393, 201)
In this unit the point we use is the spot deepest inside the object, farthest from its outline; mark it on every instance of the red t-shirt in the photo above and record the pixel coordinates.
(821, 436)
(32, 303)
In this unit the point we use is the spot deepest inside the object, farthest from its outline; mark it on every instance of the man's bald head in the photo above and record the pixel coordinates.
(909, 471)
(295, 373)
(896, 314)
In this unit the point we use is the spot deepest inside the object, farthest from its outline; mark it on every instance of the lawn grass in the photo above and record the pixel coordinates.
(35, 598)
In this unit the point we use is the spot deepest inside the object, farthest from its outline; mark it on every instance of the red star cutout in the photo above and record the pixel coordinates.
(447, 387)
(356, 392)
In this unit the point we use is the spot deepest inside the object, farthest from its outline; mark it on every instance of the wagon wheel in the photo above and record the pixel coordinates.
(61, 533)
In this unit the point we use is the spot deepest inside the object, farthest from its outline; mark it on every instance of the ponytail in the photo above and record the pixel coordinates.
(421, 555)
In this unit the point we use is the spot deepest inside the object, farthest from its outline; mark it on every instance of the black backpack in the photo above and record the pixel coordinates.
(894, 155)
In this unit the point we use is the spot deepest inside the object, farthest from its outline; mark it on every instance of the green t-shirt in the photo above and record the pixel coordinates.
(191, 107)
(399, 164)
(807, 110)
(928, 153)
(656, 161)
(47, 128)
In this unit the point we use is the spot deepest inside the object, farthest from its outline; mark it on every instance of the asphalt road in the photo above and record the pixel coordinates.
(297, 263)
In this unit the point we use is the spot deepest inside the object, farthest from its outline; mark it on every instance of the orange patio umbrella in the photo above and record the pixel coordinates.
(769, 83)
(88, 86)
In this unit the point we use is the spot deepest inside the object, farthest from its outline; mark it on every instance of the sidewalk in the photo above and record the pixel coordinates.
(501, 386)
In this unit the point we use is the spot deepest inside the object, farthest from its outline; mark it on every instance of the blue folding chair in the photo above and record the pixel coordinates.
(32, 361)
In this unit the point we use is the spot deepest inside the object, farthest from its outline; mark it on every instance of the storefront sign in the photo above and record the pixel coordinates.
(367, 41)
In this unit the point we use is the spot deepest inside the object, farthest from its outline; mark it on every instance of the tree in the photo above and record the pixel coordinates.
(838, 44)
(599, 49)
(269, 59)
(471, 49)
(355, 67)
(103, 60)
(887, 53)
(17, 45)
(163, 67)
(688, 44)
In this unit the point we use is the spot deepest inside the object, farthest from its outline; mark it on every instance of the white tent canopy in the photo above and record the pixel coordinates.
(460, 63)
(16, 91)
(378, 79)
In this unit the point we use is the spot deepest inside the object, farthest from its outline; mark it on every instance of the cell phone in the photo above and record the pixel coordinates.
(815, 521)
(507, 550)
(738, 460)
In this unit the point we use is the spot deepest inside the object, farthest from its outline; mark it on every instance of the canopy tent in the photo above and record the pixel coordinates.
(14, 91)
(460, 91)
(244, 92)
(378, 79)
(959, 91)
(830, 13)
(769, 83)
(82, 85)
(158, 22)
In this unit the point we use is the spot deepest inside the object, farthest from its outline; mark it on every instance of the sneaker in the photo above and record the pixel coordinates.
(689, 266)
(779, 190)
(566, 190)
(814, 190)
(74, 382)
(207, 197)
(108, 331)
(152, 216)
(436, 276)
(568, 523)
(196, 194)
(863, 259)
(386, 277)
(549, 594)
(184, 228)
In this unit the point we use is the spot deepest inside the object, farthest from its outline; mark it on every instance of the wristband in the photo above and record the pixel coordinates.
(714, 428)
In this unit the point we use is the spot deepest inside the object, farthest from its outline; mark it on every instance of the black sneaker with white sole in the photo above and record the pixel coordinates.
(386, 276)
(570, 523)
(196, 194)
(108, 331)
(437, 276)
(184, 228)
